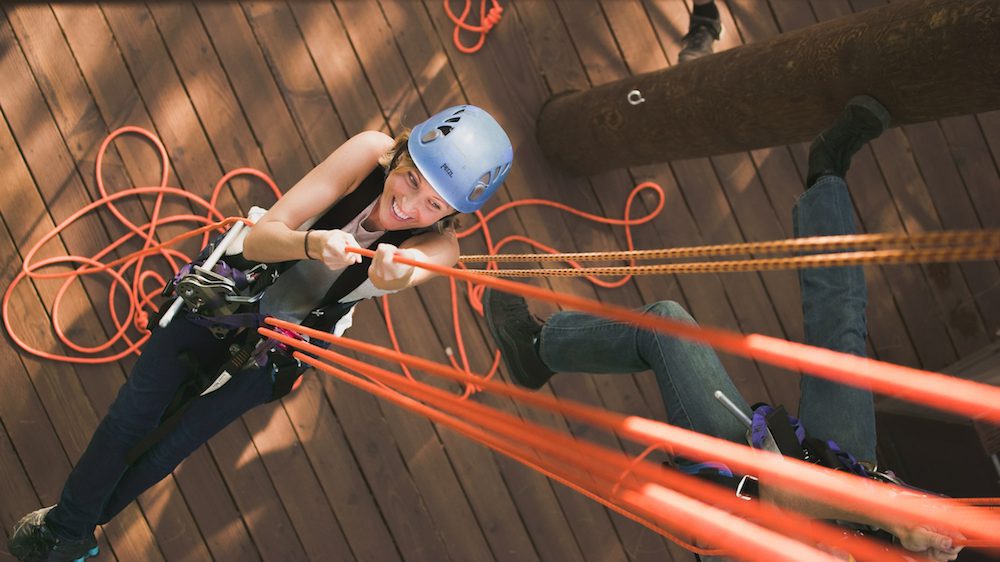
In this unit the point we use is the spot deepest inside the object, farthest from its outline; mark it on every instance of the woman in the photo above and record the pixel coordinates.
(373, 190)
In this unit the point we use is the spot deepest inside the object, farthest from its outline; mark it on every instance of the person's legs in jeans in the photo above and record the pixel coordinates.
(687, 373)
(135, 412)
(834, 298)
(833, 307)
(206, 416)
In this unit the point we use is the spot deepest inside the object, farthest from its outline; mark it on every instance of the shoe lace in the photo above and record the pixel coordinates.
(521, 317)
(698, 38)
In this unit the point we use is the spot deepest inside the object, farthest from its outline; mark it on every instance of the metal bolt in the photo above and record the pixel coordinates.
(635, 97)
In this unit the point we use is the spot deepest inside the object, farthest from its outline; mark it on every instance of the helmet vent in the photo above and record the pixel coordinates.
(430, 135)
(480, 188)
(453, 120)
(445, 129)
(477, 192)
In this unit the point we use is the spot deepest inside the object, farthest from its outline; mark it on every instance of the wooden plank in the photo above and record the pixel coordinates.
(47, 52)
(214, 100)
(50, 164)
(28, 426)
(379, 459)
(388, 77)
(296, 77)
(337, 64)
(338, 471)
(15, 487)
(269, 118)
(971, 159)
(955, 306)
(219, 520)
(522, 508)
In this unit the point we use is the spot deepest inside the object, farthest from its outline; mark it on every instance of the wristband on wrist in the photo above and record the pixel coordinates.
(305, 244)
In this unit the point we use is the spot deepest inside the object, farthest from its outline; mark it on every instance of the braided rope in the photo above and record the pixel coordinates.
(921, 255)
(989, 237)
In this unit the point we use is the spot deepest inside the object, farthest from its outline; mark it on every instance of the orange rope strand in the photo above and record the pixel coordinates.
(987, 237)
(929, 255)
(486, 22)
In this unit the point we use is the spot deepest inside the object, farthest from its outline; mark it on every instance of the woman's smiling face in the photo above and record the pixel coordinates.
(408, 201)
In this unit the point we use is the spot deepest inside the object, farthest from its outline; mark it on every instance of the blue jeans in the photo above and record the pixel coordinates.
(688, 374)
(102, 484)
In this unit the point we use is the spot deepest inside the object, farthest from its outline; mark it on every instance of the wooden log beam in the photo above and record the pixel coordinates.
(923, 59)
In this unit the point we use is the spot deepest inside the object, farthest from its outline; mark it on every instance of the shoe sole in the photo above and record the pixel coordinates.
(872, 105)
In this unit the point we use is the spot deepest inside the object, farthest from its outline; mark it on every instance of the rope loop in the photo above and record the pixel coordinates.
(488, 19)
(129, 274)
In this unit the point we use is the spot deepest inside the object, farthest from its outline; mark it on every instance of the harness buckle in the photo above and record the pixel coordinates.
(748, 488)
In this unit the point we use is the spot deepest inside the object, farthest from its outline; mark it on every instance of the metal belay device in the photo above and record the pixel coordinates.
(220, 283)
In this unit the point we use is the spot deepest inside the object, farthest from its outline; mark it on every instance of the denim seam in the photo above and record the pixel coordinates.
(666, 370)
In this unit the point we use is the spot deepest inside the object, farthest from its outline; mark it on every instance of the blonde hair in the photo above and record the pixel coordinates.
(397, 159)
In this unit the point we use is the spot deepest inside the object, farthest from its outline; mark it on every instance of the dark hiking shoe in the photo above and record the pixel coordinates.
(515, 331)
(700, 39)
(830, 154)
(33, 541)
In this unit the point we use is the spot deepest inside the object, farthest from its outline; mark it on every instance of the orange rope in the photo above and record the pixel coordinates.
(837, 488)
(923, 255)
(139, 299)
(986, 237)
(486, 22)
(597, 462)
(971, 399)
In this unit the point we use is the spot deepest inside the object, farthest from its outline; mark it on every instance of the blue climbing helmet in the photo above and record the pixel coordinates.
(463, 153)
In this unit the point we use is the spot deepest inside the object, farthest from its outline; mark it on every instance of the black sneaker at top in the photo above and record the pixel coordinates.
(700, 39)
(33, 541)
(515, 331)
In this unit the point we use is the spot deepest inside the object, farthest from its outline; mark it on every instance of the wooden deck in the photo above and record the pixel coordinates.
(331, 473)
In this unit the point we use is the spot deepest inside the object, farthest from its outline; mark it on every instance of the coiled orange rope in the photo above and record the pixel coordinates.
(486, 22)
(134, 286)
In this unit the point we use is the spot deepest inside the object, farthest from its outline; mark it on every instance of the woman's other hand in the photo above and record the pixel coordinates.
(387, 274)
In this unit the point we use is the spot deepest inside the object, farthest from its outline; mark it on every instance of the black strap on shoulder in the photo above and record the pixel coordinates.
(353, 203)
(323, 316)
